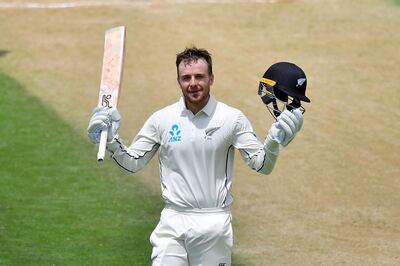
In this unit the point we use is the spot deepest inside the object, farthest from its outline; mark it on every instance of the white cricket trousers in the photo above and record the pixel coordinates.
(192, 238)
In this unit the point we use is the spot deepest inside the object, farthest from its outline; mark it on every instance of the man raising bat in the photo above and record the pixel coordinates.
(196, 138)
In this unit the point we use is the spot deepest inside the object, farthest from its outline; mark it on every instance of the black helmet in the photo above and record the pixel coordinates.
(281, 81)
(290, 79)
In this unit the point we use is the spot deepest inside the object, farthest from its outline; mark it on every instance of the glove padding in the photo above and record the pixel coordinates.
(103, 118)
(285, 128)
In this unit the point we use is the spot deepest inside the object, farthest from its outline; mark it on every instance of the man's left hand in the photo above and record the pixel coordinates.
(290, 123)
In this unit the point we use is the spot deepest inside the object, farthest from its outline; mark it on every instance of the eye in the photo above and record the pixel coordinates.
(200, 76)
(185, 78)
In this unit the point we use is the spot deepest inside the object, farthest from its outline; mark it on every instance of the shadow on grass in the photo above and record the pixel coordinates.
(3, 53)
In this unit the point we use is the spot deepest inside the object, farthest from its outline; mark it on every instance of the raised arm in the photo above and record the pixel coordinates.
(262, 157)
(144, 146)
(139, 153)
(259, 157)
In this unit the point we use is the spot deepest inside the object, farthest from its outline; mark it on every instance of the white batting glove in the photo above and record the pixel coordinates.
(103, 118)
(276, 133)
(284, 130)
(290, 123)
(299, 116)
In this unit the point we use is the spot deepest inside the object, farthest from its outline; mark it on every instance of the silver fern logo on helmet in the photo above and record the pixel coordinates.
(300, 82)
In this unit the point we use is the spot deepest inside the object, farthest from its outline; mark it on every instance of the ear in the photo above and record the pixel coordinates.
(212, 79)
(177, 79)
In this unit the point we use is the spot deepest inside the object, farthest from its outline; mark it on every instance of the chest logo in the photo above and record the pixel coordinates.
(175, 133)
(210, 131)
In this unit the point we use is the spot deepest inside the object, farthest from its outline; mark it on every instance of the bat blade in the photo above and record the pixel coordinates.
(111, 76)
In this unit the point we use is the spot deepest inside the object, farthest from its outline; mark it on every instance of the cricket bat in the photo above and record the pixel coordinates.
(111, 76)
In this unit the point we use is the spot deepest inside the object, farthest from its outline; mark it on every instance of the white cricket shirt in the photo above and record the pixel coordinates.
(196, 152)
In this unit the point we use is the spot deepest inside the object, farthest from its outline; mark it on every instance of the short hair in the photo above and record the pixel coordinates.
(194, 54)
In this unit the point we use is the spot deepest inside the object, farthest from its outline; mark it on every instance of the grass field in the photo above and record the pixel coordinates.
(333, 197)
(57, 206)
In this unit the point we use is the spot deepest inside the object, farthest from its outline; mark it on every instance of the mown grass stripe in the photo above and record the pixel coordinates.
(57, 205)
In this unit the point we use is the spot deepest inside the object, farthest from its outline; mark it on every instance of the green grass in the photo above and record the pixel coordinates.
(396, 2)
(57, 205)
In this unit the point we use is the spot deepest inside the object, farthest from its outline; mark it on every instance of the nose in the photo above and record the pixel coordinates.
(192, 81)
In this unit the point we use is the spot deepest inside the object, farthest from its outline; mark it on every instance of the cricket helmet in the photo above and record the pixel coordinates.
(286, 83)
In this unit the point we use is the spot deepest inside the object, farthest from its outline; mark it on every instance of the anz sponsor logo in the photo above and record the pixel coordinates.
(175, 134)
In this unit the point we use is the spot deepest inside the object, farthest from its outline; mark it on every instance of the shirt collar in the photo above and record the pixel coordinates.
(208, 109)
(210, 106)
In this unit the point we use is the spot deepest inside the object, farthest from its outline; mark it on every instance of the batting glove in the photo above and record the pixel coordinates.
(103, 118)
(290, 123)
(276, 133)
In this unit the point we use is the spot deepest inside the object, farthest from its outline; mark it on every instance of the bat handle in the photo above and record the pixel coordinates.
(102, 145)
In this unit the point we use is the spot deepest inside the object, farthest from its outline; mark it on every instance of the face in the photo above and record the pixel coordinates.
(195, 82)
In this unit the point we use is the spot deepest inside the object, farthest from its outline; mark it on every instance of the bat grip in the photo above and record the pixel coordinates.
(102, 145)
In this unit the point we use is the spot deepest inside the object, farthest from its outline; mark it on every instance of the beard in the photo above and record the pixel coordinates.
(197, 95)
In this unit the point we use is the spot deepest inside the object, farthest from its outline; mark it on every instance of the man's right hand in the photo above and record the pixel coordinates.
(103, 118)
